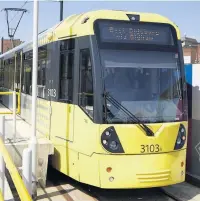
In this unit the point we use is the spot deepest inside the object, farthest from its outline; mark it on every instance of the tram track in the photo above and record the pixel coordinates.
(71, 190)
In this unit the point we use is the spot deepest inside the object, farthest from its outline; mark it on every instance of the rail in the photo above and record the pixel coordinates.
(16, 178)
(23, 187)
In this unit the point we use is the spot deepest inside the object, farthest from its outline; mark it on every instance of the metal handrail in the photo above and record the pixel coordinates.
(16, 178)
(18, 99)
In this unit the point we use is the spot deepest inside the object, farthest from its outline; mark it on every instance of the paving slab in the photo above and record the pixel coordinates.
(183, 191)
(65, 192)
(8, 196)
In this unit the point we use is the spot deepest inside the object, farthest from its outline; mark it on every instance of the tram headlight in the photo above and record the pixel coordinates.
(110, 141)
(181, 138)
(113, 145)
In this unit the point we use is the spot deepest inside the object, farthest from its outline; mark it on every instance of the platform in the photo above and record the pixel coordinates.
(184, 192)
(23, 134)
(8, 196)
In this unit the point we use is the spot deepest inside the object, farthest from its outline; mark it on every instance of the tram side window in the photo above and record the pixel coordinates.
(6, 74)
(18, 66)
(1, 74)
(11, 73)
(86, 83)
(66, 68)
(27, 79)
(22, 76)
(42, 62)
(67, 62)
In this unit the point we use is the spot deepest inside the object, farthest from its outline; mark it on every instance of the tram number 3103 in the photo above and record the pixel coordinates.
(52, 92)
(150, 148)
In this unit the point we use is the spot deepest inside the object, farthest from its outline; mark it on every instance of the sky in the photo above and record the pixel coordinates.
(184, 13)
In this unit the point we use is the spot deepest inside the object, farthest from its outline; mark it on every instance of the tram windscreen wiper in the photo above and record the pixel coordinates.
(134, 119)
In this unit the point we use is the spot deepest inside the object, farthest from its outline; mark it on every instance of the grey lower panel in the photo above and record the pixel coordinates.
(26, 103)
(7, 99)
(193, 150)
(43, 116)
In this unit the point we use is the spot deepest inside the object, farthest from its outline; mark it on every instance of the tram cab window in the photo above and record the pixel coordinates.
(86, 83)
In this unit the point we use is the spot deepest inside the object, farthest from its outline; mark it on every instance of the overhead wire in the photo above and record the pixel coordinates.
(14, 16)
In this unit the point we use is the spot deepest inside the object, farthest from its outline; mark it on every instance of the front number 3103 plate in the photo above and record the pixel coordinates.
(152, 148)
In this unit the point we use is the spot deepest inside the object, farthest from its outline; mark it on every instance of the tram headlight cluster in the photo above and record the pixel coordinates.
(110, 141)
(181, 138)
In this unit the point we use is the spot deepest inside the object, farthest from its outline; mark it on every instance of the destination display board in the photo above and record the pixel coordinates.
(123, 32)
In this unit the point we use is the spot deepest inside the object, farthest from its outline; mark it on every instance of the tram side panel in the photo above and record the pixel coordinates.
(73, 134)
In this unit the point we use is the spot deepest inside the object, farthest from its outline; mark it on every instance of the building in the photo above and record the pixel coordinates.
(191, 50)
(7, 44)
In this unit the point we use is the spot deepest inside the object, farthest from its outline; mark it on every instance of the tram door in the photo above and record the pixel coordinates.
(85, 99)
(67, 59)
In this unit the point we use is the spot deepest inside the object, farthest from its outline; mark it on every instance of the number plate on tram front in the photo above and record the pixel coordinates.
(151, 148)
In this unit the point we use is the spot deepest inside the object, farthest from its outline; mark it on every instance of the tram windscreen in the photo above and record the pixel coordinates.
(147, 83)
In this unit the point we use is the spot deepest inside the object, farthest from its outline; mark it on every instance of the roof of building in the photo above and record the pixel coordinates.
(188, 39)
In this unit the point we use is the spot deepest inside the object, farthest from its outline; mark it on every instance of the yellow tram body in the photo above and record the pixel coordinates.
(90, 162)
(146, 161)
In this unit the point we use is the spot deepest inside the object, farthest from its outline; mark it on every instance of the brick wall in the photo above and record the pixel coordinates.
(198, 52)
(193, 52)
(7, 44)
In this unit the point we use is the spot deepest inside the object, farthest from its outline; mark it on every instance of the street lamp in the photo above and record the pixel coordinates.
(61, 10)
(61, 7)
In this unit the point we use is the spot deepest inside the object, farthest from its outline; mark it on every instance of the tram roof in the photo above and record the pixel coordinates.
(74, 26)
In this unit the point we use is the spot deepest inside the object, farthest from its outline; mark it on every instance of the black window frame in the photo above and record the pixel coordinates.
(6, 73)
(2, 73)
(18, 68)
(41, 71)
(28, 58)
(11, 72)
(83, 95)
(67, 51)
(135, 46)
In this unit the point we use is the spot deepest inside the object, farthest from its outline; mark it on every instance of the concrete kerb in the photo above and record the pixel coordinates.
(44, 149)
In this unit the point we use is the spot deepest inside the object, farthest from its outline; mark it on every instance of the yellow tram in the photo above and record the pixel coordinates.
(111, 97)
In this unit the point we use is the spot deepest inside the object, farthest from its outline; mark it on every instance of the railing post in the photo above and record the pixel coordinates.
(33, 142)
(2, 163)
(27, 169)
(14, 116)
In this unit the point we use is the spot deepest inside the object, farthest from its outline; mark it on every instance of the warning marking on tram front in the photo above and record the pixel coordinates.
(197, 147)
